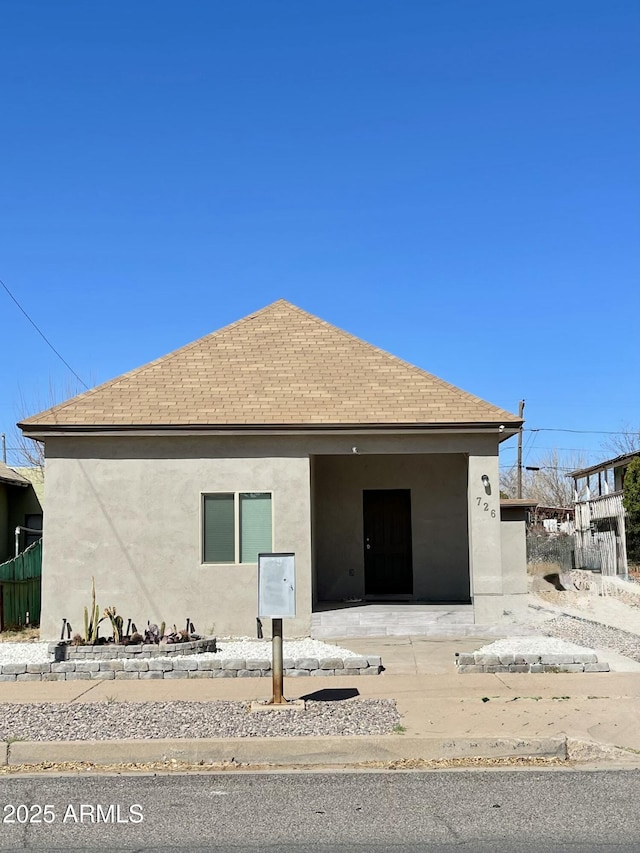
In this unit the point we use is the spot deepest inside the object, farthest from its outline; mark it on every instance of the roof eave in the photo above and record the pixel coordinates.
(9, 481)
(615, 462)
(504, 430)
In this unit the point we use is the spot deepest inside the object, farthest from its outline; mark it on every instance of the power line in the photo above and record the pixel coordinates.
(581, 431)
(43, 336)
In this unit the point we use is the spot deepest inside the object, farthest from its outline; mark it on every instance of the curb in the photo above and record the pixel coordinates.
(280, 751)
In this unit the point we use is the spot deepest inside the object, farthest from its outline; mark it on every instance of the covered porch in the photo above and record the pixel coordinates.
(390, 528)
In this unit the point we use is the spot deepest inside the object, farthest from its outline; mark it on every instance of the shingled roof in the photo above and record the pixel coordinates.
(277, 367)
(9, 475)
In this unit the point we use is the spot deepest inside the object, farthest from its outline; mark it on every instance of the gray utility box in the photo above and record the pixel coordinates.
(276, 586)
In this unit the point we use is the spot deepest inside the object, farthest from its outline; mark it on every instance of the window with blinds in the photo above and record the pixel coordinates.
(236, 527)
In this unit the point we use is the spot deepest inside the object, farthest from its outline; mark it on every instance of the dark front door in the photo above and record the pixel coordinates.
(388, 567)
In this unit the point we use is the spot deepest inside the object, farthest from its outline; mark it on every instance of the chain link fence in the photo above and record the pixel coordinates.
(562, 550)
(551, 548)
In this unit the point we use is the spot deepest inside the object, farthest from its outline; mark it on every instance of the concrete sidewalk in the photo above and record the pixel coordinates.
(444, 714)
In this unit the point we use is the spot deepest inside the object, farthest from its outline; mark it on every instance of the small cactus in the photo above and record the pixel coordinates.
(116, 623)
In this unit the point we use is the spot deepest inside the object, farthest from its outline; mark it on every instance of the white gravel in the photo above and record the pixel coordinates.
(243, 648)
(534, 646)
(24, 653)
(306, 648)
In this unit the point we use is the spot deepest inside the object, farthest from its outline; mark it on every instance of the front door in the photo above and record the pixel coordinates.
(388, 566)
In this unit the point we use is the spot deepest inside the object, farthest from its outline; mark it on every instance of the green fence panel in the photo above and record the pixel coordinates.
(20, 588)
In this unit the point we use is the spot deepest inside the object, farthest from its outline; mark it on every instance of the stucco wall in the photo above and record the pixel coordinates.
(127, 510)
(514, 557)
(438, 484)
(128, 513)
(498, 581)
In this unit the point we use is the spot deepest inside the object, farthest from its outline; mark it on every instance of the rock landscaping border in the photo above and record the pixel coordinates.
(64, 651)
(161, 666)
(566, 662)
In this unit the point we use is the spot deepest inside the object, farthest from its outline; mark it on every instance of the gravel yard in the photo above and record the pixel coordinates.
(153, 720)
(218, 719)
(594, 635)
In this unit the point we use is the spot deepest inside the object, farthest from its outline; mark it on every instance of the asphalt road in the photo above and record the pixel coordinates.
(404, 812)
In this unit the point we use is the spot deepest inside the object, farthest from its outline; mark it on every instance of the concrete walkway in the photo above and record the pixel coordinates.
(444, 715)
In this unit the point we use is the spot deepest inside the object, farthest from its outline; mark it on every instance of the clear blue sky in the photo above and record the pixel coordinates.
(455, 182)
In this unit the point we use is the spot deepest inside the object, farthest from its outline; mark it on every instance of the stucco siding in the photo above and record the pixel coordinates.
(127, 510)
(514, 557)
(134, 523)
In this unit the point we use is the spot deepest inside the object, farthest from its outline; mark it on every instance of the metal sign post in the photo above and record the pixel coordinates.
(276, 600)
(276, 664)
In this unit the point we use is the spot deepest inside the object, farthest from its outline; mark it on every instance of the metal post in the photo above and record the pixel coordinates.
(277, 665)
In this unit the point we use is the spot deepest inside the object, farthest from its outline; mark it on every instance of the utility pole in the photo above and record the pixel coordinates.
(520, 415)
(4, 448)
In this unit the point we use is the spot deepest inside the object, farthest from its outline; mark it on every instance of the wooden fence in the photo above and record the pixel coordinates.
(20, 588)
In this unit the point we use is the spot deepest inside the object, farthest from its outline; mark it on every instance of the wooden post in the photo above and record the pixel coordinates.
(520, 414)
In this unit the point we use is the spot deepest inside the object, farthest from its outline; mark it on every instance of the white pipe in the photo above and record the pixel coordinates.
(26, 530)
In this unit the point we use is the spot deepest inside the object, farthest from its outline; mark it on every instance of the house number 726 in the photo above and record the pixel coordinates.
(485, 507)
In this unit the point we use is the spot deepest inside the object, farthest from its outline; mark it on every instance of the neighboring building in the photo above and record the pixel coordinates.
(277, 433)
(599, 515)
(554, 519)
(518, 509)
(20, 507)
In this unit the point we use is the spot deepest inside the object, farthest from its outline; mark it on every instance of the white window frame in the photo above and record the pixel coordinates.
(236, 523)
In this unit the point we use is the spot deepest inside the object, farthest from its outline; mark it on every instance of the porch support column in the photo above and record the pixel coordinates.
(485, 553)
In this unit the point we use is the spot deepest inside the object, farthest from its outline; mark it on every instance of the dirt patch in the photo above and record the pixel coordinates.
(542, 569)
(84, 767)
(21, 635)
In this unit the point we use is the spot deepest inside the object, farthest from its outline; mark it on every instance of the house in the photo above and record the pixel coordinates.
(20, 510)
(599, 515)
(551, 519)
(278, 433)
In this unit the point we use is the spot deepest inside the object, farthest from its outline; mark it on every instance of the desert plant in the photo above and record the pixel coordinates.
(116, 623)
(152, 634)
(92, 622)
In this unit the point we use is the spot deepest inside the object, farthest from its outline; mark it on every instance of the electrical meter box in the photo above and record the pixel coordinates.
(276, 586)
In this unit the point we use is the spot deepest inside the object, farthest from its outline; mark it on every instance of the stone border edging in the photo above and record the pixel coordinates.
(532, 663)
(64, 651)
(132, 668)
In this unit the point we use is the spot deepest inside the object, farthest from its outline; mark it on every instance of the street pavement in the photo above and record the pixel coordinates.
(562, 811)
(588, 717)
